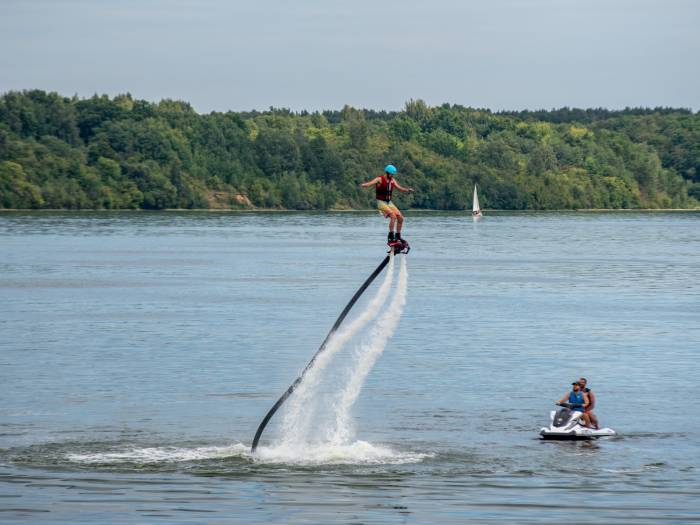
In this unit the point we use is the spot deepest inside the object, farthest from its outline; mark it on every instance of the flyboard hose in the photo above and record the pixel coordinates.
(334, 328)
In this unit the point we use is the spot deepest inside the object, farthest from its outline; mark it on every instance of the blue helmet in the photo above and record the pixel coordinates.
(390, 169)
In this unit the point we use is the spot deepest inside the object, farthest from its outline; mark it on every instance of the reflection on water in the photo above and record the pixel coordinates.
(140, 350)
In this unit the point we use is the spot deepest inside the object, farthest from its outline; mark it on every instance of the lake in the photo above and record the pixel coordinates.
(139, 352)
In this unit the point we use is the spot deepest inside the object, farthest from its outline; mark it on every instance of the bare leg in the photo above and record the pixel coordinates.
(399, 219)
(392, 223)
(586, 420)
(593, 419)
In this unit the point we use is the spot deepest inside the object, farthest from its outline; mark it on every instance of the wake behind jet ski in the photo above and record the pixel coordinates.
(567, 424)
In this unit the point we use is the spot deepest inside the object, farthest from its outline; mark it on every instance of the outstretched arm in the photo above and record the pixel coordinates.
(563, 399)
(402, 189)
(374, 181)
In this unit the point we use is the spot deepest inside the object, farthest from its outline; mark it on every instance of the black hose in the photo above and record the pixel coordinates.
(335, 327)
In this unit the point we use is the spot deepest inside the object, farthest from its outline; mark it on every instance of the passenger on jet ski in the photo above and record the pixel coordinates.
(577, 398)
(588, 416)
(384, 186)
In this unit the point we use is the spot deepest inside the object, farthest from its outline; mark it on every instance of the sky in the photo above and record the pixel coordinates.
(235, 55)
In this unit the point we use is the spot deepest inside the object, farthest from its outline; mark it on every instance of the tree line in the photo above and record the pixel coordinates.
(122, 153)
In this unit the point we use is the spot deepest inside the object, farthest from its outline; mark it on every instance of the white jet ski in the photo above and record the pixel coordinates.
(567, 424)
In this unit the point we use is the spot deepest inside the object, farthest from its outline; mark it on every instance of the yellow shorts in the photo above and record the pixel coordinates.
(386, 208)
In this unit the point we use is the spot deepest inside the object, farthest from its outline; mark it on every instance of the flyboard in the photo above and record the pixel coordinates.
(395, 248)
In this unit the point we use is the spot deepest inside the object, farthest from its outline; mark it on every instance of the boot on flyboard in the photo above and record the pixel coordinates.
(397, 244)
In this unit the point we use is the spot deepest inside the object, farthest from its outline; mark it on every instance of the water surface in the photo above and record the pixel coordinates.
(139, 351)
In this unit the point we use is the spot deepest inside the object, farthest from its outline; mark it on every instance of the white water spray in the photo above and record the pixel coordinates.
(337, 447)
(358, 453)
(150, 455)
(366, 356)
(299, 411)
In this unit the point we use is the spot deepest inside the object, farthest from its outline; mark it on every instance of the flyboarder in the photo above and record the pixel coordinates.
(384, 185)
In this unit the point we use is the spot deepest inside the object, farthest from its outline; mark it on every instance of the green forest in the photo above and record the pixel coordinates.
(61, 152)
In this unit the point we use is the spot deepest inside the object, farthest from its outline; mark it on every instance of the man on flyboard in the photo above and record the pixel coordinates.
(384, 185)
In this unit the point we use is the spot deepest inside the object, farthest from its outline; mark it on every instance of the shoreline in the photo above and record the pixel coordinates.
(366, 210)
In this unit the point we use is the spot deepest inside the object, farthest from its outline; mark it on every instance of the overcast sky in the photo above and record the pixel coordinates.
(322, 54)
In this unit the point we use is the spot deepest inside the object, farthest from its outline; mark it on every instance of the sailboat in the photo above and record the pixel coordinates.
(476, 209)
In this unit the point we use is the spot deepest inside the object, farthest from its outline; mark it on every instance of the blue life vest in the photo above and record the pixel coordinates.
(576, 398)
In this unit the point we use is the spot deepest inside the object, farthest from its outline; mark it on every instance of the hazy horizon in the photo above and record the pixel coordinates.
(314, 55)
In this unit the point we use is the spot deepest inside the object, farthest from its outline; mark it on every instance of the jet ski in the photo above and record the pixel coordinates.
(567, 424)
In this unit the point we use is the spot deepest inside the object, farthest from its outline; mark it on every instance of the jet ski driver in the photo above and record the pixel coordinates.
(384, 186)
(577, 398)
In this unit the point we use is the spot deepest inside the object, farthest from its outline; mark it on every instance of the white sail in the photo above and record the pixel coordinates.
(476, 209)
